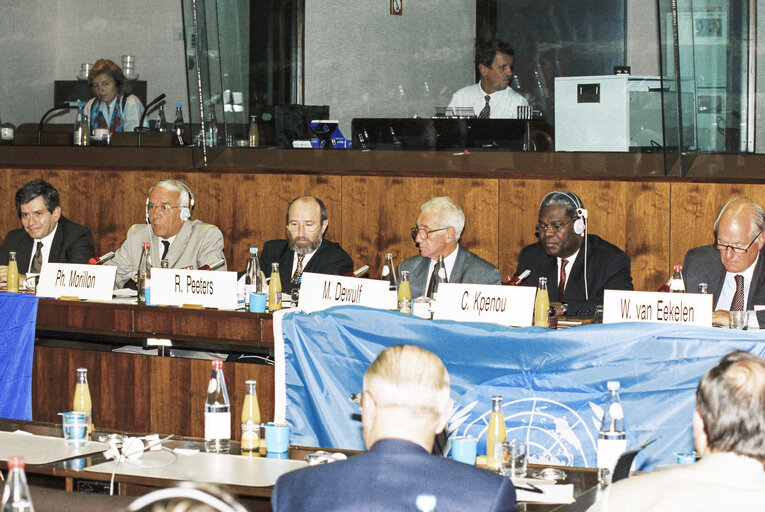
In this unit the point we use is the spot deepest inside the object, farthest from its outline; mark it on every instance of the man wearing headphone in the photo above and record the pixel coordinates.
(172, 234)
(578, 266)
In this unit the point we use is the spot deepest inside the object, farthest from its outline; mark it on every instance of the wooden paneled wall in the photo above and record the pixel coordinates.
(655, 220)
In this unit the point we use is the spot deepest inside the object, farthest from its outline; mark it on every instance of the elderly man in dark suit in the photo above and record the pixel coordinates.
(731, 266)
(437, 233)
(305, 249)
(565, 251)
(404, 405)
(46, 235)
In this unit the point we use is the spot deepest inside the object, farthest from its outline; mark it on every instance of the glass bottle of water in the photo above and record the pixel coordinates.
(178, 126)
(253, 282)
(217, 412)
(144, 275)
(612, 437)
(16, 497)
(677, 284)
(81, 135)
(211, 134)
(438, 277)
(389, 272)
(161, 121)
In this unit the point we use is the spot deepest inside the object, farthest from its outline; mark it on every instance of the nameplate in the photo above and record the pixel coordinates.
(672, 308)
(322, 291)
(504, 305)
(93, 282)
(206, 288)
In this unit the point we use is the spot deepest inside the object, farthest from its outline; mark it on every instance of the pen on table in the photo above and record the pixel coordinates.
(530, 488)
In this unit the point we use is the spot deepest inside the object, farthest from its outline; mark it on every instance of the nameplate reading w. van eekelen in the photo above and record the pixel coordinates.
(206, 288)
(93, 282)
(322, 291)
(504, 305)
(671, 308)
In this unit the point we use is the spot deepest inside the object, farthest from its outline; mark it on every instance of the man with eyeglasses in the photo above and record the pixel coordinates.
(305, 249)
(437, 233)
(171, 233)
(731, 266)
(565, 252)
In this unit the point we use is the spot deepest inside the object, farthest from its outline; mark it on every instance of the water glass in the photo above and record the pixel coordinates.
(75, 426)
(738, 319)
(513, 457)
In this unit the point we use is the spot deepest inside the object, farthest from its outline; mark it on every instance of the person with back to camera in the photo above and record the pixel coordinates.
(113, 107)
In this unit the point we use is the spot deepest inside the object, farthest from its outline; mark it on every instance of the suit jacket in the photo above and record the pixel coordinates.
(329, 258)
(195, 245)
(703, 265)
(388, 478)
(468, 268)
(607, 268)
(72, 243)
(719, 481)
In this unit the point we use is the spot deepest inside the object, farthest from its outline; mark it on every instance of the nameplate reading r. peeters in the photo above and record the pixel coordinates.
(322, 291)
(671, 308)
(494, 304)
(206, 288)
(92, 282)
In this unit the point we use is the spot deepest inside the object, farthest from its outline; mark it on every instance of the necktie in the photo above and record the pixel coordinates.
(486, 109)
(737, 304)
(298, 269)
(37, 260)
(562, 280)
(164, 251)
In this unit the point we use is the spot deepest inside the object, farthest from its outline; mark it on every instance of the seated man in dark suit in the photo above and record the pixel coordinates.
(305, 249)
(404, 405)
(46, 235)
(731, 267)
(558, 256)
(437, 233)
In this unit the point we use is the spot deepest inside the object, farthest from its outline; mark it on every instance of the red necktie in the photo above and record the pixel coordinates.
(737, 304)
(562, 280)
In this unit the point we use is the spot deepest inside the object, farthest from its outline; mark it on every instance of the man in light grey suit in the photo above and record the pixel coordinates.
(171, 232)
(437, 233)
(729, 433)
(733, 264)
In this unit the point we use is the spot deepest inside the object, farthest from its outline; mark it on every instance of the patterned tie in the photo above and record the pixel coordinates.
(298, 269)
(37, 260)
(562, 281)
(737, 304)
(486, 109)
(164, 251)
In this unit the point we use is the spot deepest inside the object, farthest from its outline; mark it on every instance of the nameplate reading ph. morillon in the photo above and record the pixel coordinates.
(75, 280)
(671, 308)
(495, 304)
(206, 288)
(322, 291)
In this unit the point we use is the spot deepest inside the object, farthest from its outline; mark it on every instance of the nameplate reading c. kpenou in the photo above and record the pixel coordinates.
(504, 305)
(92, 282)
(322, 291)
(206, 288)
(673, 308)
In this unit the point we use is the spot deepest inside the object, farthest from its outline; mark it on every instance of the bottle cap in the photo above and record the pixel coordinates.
(253, 250)
(496, 398)
(82, 369)
(678, 268)
(613, 385)
(217, 364)
(145, 245)
(16, 462)
(178, 105)
(425, 502)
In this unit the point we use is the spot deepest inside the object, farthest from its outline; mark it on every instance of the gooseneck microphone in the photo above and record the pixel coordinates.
(103, 259)
(45, 115)
(516, 280)
(149, 106)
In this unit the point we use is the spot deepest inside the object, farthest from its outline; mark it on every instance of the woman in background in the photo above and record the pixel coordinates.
(113, 108)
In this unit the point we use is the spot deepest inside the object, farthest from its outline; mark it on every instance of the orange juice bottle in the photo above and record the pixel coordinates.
(82, 402)
(251, 421)
(274, 289)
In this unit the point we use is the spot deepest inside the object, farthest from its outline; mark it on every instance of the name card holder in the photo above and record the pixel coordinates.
(94, 282)
(322, 291)
(503, 305)
(205, 288)
(673, 308)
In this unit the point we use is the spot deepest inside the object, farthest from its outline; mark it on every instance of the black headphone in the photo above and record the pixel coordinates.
(186, 210)
(580, 224)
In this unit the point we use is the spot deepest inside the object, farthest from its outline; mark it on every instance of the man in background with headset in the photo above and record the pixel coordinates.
(171, 232)
(559, 256)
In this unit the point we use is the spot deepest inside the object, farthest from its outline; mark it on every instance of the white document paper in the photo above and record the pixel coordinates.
(322, 291)
(657, 307)
(504, 305)
(93, 282)
(207, 288)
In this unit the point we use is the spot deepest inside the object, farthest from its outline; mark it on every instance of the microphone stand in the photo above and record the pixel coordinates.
(45, 115)
(151, 104)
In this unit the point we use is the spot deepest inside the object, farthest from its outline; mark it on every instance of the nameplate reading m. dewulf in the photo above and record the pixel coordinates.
(70, 279)
(206, 288)
(674, 308)
(322, 291)
(504, 305)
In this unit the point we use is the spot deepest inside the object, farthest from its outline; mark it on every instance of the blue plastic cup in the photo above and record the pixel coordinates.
(258, 302)
(277, 437)
(75, 427)
(464, 449)
(686, 457)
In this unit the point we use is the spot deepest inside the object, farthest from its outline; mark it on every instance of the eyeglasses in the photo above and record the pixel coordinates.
(424, 233)
(309, 228)
(161, 208)
(738, 250)
(554, 227)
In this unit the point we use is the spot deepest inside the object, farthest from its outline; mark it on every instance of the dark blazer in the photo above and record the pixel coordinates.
(607, 268)
(468, 268)
(329, 258)
(388, 478)
(703, 265)
(72, 243)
